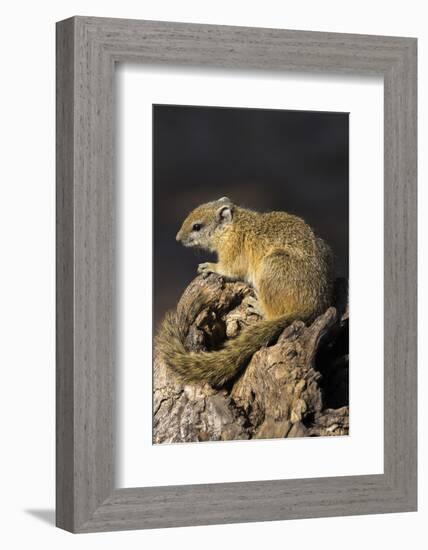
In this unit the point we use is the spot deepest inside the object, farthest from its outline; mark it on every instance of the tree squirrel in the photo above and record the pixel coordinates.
(278, 254)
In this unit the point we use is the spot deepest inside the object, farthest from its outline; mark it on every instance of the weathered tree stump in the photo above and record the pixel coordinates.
(296, 387)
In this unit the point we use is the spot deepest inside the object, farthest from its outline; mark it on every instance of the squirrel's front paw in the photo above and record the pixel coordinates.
(206, 268)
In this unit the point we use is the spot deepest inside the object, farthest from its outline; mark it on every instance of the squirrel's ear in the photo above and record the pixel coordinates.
(225, 199)
(224, 214)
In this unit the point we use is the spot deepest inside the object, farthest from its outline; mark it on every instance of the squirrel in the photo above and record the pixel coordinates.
(278, 254)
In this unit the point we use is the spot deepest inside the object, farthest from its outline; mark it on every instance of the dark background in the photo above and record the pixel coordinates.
(296, 161)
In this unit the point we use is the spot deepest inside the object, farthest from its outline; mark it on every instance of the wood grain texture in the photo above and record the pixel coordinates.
(64, 278)
(87, 49)
(285, 389)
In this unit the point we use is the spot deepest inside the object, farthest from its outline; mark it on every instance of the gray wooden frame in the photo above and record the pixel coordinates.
(87, 50)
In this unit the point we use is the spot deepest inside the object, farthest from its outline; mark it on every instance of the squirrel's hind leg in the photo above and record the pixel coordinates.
(278, 286)
(254, 306)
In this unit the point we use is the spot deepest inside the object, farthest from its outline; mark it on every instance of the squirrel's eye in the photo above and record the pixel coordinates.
(197, 226)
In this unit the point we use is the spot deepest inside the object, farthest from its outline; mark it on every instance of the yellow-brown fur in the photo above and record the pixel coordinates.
(278, 254)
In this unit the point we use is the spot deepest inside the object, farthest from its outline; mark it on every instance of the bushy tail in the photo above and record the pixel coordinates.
(215, 367)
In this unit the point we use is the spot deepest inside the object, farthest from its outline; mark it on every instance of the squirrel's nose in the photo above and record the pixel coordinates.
(178, 237)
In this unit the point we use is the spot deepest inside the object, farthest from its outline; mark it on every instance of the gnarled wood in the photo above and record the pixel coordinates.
(281, 393)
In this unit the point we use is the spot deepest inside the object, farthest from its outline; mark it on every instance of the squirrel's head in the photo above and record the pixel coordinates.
(204, 225)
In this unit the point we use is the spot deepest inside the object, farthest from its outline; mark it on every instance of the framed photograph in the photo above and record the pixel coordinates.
(228, 199)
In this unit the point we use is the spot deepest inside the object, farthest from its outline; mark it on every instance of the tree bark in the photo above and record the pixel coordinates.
(296, 387)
